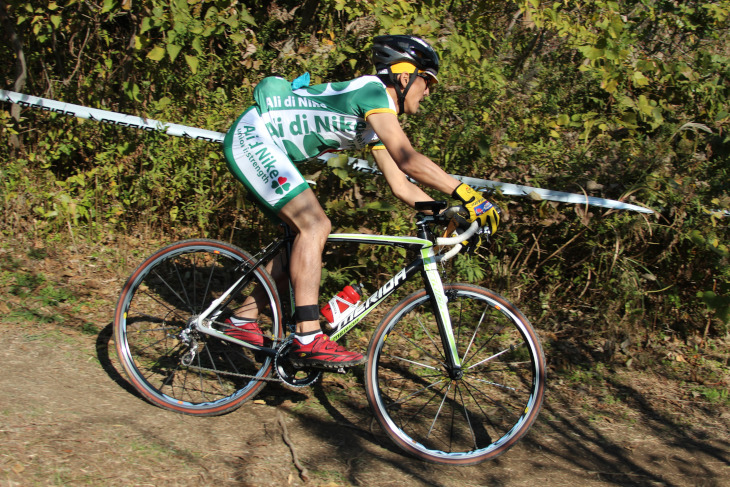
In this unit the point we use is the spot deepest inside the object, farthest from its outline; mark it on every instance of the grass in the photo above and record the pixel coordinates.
(49, 337)
(32, 296)
(143, 447)
(37, 316)
(89, 329)
(713, 395)
(25, 283)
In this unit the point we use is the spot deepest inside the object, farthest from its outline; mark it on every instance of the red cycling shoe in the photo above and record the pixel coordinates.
(248, 332)
(323, 352)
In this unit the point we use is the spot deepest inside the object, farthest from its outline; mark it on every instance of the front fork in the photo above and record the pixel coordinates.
(435, 288)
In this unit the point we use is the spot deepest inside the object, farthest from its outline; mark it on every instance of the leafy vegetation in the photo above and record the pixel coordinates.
(620, 99)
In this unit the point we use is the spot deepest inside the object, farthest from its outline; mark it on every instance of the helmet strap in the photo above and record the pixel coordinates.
(401, 93)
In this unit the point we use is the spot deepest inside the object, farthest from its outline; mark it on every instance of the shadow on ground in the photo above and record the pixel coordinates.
(633, 443)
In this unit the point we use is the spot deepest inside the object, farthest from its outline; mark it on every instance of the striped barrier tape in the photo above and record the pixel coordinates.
(148, 124)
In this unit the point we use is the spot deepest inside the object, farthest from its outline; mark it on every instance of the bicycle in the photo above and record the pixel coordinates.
(455, 373)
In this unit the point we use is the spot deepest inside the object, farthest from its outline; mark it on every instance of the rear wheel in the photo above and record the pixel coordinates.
(464, 415)
(166, 359)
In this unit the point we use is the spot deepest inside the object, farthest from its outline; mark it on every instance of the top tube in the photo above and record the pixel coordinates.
(403, 241)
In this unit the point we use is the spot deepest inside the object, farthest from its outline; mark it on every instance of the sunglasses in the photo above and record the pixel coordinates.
(430, 82)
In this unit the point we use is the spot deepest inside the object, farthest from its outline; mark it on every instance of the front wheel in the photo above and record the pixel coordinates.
(456, 415)
(166, 358)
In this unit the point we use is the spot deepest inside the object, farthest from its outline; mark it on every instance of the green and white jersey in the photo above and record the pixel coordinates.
(306, 122)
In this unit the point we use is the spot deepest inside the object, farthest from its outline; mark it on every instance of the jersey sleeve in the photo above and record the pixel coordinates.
(373, 98)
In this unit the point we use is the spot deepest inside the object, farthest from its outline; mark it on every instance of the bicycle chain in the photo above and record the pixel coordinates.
(309, 381)
(235, 374)
(185, 339)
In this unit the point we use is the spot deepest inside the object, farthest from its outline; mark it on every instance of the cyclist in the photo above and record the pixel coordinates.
(289, 124)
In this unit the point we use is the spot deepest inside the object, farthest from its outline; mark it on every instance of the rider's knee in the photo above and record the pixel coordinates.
(319, 228)
(314, 225)
(325, 226)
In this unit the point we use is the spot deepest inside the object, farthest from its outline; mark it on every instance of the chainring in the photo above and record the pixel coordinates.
(290, 375)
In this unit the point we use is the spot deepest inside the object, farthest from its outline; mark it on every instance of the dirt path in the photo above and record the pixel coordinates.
(67, 417)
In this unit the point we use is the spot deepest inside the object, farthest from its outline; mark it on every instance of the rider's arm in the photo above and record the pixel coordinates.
(402, 188)
(405, 157)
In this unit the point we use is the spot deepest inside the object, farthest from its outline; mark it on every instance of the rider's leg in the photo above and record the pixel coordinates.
(270, 178)
(311, 347)
(307, 219)
(243, 324)
(258, 299)
(269, 174)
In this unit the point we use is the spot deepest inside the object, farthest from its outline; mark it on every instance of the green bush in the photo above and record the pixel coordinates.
(619, 99)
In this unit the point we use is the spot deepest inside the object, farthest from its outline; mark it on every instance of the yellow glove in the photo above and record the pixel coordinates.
(474, 242)
(470, 245)
(478, 207)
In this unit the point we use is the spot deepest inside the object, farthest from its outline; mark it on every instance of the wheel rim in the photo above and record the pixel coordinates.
(154, 338)
(465, 415)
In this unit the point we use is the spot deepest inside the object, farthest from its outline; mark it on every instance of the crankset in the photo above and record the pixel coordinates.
(290, 375)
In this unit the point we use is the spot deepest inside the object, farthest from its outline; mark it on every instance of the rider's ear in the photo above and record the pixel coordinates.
(403, 79)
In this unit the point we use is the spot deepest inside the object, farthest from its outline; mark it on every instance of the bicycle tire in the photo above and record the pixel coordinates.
(443, 417)
(157, 303)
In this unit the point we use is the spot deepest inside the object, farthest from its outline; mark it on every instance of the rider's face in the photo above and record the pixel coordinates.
(417, 92)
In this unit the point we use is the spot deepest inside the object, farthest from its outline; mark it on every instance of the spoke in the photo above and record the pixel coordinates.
(497, 384)
(483, 413)
(201, 376)
(486, 343)
(183, 388)
(155, 298)
(217, 375)
(170, 375)
(453, 415)
(157, 361)
(184, 288)
(406, 420)
(210, 277)
(438, 412)
(500, 430)
(232, 363)
(165, 323)
(474, 335)
(428, 354)
(183, 301)
(413, 362)
(436, 347)
(489, 398)
(500, 367)
(471, 394)
(194, 262)
(415, 393)
(511, 348)
(147, 347)
(466, 415)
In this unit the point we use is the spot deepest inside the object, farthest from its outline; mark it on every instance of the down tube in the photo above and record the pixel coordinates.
(362, 310)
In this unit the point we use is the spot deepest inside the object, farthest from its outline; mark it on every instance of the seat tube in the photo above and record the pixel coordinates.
(439, 301)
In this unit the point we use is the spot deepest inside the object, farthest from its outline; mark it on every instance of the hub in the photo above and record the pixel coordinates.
(457, 373)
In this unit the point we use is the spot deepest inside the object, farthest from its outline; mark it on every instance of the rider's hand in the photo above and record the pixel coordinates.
(471, 245)
(479, 208)
(459, 225)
